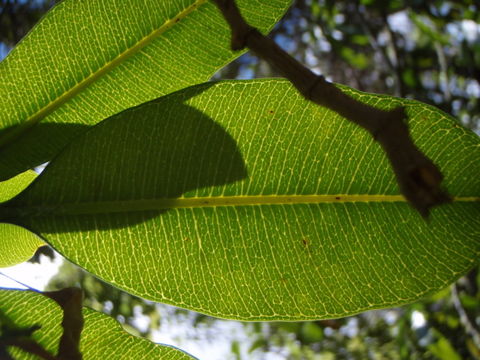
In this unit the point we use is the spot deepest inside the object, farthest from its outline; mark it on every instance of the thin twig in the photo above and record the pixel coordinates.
(18, 282)
(397, 67)
(464, 319)
(393, 68)
(29, 346)
(418, 177)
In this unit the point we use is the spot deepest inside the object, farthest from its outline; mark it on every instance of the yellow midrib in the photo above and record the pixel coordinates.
(72, 92)
(218, 201)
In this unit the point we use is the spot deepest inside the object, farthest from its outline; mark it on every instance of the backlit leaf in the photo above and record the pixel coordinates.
(87, 60)
(102, 337)
(16, 243)
(242, 200)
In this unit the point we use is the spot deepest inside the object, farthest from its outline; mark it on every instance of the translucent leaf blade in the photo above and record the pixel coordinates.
(102, 336)
(16, 243)
(242, 200)
(87, 60)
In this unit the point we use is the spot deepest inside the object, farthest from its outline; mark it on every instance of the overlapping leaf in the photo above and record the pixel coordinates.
(102, 337)
(87, 60)
(14, 186)
(242, 200)
(16, 243)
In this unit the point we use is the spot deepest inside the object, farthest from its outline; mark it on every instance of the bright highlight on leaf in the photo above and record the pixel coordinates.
(102, 337)
(354, 245)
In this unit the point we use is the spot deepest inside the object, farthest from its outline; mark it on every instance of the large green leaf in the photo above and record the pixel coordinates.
(102, 337)
(87, 60)
(16, 243)
(242, 200)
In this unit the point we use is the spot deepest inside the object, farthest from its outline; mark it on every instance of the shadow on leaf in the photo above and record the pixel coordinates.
(128, 169)
(37, 146)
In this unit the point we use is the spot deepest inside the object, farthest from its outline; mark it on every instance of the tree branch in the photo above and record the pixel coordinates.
(417, 176)
(29, 346)
(70, 300)
(464, 318)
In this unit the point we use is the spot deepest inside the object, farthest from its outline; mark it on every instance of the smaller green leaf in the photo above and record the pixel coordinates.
(102, 337)
(15, 185)
(443, 349)
(311, 332)
(355, 59)
(16, 243)
(361, 40)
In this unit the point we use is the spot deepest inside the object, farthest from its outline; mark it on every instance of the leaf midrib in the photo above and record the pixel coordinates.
(13, 134)
(138, 205)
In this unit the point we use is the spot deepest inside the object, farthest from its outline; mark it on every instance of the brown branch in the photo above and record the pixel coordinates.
(21, 337)
(468, 324)
(417, 176)
(70, 300)
(30, 346)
